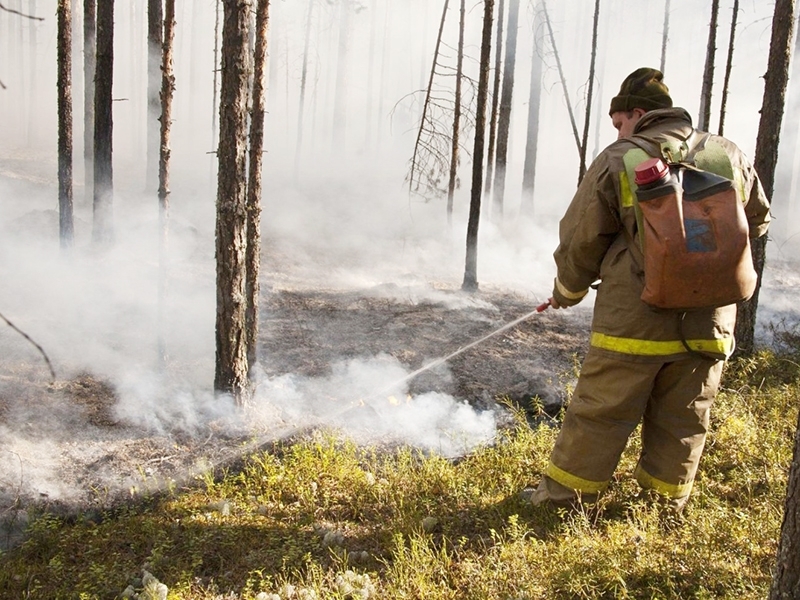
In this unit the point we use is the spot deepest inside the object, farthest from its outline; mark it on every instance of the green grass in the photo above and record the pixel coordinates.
(324, 518)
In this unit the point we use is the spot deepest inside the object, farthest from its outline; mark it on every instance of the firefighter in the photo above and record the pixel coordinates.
(645, 365)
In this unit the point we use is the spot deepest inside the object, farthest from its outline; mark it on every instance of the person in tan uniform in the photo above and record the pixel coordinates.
(645, 365)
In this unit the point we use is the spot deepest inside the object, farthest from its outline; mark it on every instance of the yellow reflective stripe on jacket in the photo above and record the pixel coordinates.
(664, 348)
(625, 192)
(671, 490)
(568, 294)
(574, 482)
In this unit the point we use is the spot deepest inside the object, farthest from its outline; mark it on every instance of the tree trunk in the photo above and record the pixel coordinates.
(455, 140)
(167, 92)
(340, 93)
(561, 76)
(708, 73)
(303, 80)
(786, 176)
(253, 254)
(155, 36)
(786, 577)
(65, 220)
(470, 283)
(89, 68)
(382, 84)
(769, 128)
(504, 116)
(498, 58)
(588, 115)
(728, 67)
(215, 91)
(373, 32)
(424, 118)
(534, 102)
(231, 231)
(102, 231)
(665, 36)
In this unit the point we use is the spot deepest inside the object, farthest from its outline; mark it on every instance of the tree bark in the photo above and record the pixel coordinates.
(708, 73)
(665, 36)
(561, 76)
(423, 121)
(786, 578)
(589, 94)
(231, 375)
(89, 67)
(340, 93)
(155, 39)
(215, 91)
(455, 139)
(303, 80)
(470, 283)
(253, 254)
(504, 115)
(103, 231)
(728, 68)
(534, 102)
(766, 156)
(65, 218)
(498, 63)
(167, 92)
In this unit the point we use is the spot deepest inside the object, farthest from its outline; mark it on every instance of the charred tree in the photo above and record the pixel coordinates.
(504, 115)
(340, 93)
(498, 71)
(786, 176)
(561, 75)
(155, 39)
(766, 156)
(728, 67)
(427, 125)
(589, 94)
(455, 140)
(303, 81)
(253, 253)
(89, 67)
(215, 91)
(534, 102)
(665, 36)
(231, 374)
(167, 93)
(470, 283)
(102, 231)
(786, 577)
(65, 219)
(708, 73)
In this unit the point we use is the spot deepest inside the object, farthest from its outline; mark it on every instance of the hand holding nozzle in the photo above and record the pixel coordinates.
(551, 302)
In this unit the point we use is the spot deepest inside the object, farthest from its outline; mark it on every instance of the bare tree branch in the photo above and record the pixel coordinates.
(16, 12)
(38, 347)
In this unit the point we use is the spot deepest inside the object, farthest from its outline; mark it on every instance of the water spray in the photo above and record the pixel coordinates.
(439, 361)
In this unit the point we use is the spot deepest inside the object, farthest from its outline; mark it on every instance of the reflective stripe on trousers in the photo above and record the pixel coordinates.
(670, 399)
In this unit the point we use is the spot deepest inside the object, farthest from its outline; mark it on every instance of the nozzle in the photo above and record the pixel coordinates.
(543, 307)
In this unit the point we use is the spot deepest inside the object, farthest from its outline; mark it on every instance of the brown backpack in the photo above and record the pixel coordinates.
(693, 231)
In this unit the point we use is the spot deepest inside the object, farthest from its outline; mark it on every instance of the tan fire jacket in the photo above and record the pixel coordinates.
(599, 241)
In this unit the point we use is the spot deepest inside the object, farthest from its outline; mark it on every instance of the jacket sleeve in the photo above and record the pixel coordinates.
(586, 231)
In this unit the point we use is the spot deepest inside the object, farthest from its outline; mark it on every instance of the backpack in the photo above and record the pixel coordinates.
(693, 230)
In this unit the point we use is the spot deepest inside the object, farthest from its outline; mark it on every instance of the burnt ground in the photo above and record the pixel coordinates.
(85, 457)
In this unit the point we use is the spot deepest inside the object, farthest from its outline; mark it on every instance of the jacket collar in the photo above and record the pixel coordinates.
(652, 117)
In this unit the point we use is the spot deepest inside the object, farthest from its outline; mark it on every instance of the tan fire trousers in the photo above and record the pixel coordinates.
(672, 401)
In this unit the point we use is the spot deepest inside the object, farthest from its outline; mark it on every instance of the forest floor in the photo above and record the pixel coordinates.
(85, 457)
(342, 356)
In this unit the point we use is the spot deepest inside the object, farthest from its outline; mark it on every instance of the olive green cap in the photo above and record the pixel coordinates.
(645, 89)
